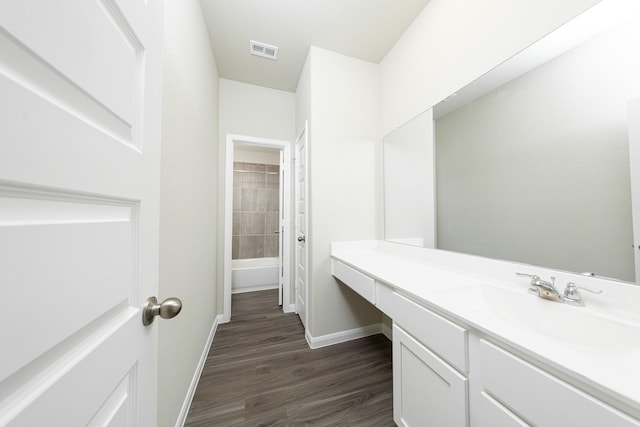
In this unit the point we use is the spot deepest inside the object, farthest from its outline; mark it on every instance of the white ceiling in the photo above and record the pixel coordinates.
(364, 29)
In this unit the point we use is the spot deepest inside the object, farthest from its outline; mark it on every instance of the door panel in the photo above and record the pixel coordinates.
(79, 186)
(633, 109)
(90, 45)
(281, 222)
(301, 225)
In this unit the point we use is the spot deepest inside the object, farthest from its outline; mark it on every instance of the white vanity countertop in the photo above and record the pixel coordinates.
(487, 296)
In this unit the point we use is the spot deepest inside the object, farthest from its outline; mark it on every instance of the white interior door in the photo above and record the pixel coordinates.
(634, 160)
(281, 229)
(80, 85)
(301, 257)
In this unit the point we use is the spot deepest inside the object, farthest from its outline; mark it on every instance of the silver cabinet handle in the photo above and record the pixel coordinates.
(167, 309)
(277, 232)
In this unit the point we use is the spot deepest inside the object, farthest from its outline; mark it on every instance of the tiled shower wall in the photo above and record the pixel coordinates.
(255, 210)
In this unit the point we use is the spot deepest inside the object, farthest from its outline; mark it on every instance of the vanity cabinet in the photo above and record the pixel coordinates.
(447, 375)
(426, 390)
(535, 395)
(429, 363)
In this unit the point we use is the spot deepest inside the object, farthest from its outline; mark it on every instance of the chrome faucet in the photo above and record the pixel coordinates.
(543, 288)
(547, 290)
(573, 296)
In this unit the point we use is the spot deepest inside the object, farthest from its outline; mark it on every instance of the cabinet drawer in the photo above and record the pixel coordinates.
(541, 398)
(362, 284)
(492, 414)
(443, 337)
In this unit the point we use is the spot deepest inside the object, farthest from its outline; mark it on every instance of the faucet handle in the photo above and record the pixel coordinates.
(571, 288)
(532, 276)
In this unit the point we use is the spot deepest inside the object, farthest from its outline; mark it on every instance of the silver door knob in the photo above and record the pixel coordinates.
(302, 238)
(166, 309)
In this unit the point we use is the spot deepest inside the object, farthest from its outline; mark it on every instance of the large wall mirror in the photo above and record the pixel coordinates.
(532, 160)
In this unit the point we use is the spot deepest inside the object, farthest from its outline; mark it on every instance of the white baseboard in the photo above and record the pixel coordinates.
(291, 309)
(253, 288)
(184, 411)
(342, 336)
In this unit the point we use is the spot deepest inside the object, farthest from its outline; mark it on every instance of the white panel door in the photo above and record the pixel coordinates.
(634, 160)
(80, 91)
(301, 224)
(280, 230)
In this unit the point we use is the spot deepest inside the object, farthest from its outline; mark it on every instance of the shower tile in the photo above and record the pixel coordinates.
(235, 230)
(272, 223)
(235, 247)
(249, 180)
(272, 168)
(257, 167)
(261, 199)
(252, 223)
(273, 181)
(271, 246)
(255, 180)
(249, 199)
(272, 200)
(237, 201)
(238, 179)
(252, 247)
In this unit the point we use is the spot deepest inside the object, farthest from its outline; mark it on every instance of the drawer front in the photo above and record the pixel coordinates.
(443, 337)
(362, 284)
(541, 398)
(492, 414)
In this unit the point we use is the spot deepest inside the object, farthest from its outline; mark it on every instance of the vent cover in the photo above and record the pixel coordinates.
(263, 49)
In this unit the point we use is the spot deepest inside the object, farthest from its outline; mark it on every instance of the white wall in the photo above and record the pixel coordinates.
(303, 96)
(188, 216)
(262, 156)
(344, 180)
(452, 42)
(250, 110)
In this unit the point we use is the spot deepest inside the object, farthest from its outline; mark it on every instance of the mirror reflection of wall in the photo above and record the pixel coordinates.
(408, 183)
(537, 171)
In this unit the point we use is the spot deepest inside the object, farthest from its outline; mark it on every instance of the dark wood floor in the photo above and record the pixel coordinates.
(260, 372)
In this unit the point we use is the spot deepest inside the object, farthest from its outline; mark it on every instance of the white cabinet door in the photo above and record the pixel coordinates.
(426, 390)
(80, 91)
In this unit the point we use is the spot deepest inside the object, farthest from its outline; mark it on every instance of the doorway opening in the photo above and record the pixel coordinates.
(257, 225)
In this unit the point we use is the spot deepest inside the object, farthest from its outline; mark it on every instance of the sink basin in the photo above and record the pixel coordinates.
(576, 327)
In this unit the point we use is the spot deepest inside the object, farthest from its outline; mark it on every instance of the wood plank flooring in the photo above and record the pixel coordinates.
(260, 372)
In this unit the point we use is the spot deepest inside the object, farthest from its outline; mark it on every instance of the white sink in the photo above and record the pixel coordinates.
(577, 327)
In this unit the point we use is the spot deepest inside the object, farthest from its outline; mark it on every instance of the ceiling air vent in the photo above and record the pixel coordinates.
(263, 49)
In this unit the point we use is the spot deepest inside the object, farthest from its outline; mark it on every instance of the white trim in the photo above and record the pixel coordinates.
(291, 309)
(342, 336)
(255, 288)
(184, 411)
(285, 146)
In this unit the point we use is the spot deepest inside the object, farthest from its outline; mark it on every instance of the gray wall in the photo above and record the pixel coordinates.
(188, 216)
(538, 170)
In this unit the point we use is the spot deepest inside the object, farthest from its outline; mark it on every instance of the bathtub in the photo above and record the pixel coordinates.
(254, 274)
